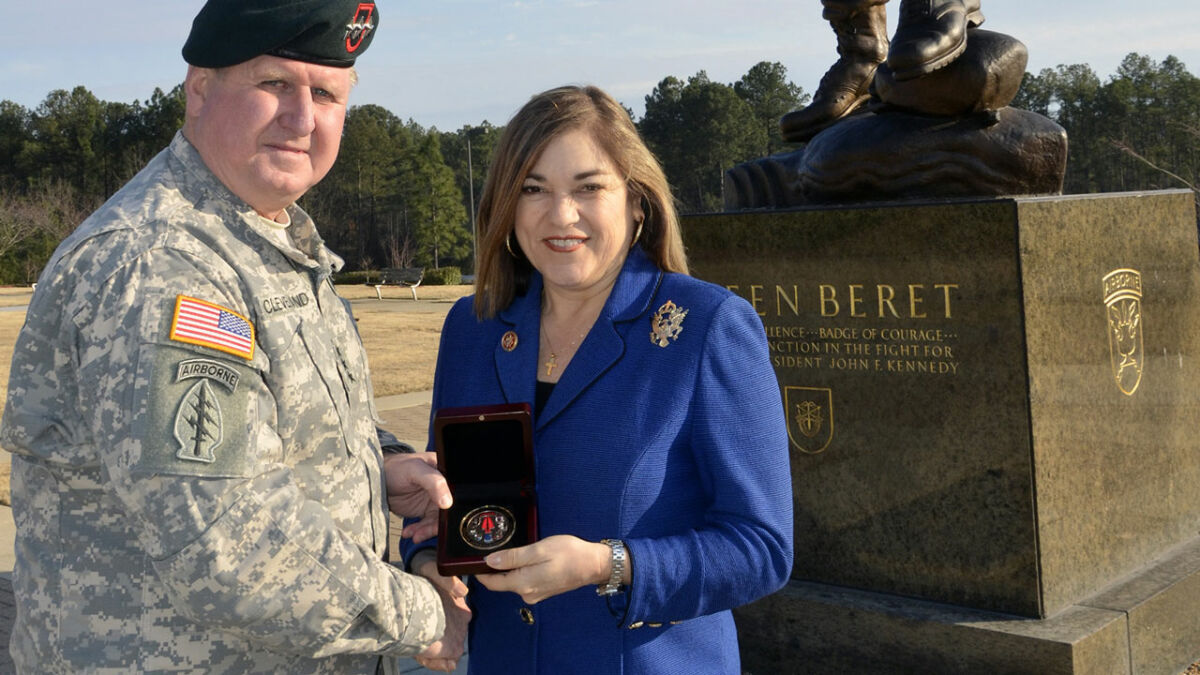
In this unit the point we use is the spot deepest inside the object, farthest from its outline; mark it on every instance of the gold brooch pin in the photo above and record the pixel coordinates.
(509, 341)
(667, 324)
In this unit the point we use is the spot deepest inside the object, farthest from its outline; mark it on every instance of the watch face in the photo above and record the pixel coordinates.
(487, 527)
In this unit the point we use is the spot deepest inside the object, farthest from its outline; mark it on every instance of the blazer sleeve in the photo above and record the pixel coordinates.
(738, 435)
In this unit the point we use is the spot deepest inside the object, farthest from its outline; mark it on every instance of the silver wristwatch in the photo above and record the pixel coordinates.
(619, 559)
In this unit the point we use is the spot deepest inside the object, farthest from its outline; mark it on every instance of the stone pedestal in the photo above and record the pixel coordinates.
(1148, 624)
(992, 407)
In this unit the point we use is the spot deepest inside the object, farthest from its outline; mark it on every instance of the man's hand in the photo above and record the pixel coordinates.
(444, 654)
(416, 489)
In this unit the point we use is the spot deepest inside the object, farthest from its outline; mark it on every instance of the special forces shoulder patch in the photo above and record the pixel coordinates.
(199, 422)
(198, 414)
(198, 425)
(203, 323)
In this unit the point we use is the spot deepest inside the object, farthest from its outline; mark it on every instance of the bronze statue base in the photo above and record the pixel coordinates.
(898, 155)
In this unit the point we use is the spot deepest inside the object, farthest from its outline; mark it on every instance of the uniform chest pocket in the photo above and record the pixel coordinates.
(352, 357)
(304, 382)
(313, 373)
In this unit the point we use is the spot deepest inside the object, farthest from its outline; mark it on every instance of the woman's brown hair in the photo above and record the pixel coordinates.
(503, 271)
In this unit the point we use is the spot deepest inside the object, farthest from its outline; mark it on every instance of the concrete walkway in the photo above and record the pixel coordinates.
(406, 415)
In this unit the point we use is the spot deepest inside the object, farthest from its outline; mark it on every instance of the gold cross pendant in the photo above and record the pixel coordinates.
(551, 363)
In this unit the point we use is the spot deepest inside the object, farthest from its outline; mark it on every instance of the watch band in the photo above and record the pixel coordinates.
(619, 560)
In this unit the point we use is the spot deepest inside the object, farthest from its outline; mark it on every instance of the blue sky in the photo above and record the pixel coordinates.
(448, 63)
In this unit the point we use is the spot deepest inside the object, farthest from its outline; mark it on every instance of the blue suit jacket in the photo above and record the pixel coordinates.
(680, 450)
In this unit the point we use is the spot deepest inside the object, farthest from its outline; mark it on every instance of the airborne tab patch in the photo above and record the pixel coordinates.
(202, 323)
(200, 413)
(213, 370)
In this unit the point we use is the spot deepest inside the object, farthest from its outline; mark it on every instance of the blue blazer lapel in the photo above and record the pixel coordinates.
(517, 369)
(601, 349)
(606, 341)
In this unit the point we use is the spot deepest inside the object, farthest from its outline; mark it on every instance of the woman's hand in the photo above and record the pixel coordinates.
(549, 567)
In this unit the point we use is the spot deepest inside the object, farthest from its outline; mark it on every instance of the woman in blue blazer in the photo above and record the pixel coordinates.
(662, 474)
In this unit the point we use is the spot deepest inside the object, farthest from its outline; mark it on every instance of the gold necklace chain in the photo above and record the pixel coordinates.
(551, 361)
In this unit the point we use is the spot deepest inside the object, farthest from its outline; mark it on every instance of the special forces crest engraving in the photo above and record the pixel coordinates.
(1123, 301)
(809, 417)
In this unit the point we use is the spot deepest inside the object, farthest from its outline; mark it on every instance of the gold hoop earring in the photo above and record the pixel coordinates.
(508, 245)
(647, 211)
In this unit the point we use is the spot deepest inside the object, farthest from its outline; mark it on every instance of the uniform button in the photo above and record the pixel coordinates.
(527, 616)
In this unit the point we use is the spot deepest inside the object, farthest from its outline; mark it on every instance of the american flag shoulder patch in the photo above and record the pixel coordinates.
(198, 322)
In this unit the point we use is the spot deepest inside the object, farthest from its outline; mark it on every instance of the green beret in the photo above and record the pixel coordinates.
(325, 32)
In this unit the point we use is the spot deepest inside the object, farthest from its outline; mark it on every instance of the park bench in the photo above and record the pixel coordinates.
(409, 277)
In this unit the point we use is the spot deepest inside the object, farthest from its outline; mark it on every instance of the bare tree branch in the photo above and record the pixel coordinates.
(1125, 148)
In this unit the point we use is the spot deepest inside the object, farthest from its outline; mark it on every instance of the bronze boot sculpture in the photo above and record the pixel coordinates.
(930, 34)
(939, 122)
(861, 28)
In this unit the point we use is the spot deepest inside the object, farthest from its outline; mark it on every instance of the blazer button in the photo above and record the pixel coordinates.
(527, 616)
(636, 625)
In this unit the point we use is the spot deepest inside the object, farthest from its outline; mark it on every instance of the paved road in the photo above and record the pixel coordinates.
(406, 415)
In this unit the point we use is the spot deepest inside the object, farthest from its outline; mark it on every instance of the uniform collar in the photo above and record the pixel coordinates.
(307, 249)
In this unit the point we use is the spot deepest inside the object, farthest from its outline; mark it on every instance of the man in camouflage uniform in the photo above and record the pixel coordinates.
(198, 482)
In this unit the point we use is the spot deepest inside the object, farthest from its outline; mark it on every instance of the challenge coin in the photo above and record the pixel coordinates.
(487, 527)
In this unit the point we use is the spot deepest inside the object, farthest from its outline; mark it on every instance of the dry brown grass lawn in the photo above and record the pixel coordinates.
(401, 338)
(11, 296)
(402, 345)
(10, 325)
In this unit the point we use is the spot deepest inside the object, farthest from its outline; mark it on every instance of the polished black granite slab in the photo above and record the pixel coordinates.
(991, 402)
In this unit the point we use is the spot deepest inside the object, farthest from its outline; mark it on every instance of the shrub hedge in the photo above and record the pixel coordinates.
(443, 276)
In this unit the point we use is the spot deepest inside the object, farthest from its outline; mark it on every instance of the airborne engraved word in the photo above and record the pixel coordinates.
(198, 425)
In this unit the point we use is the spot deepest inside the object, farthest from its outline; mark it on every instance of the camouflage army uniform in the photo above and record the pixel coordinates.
(184, 507)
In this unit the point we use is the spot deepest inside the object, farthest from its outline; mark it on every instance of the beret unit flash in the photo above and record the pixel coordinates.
(324, 32)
